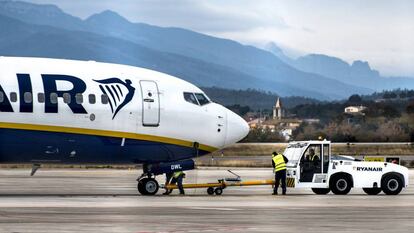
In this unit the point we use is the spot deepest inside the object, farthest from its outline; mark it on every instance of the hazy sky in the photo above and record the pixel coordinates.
(379, 31)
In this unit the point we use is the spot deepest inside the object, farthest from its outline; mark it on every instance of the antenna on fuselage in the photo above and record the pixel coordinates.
(35, 167)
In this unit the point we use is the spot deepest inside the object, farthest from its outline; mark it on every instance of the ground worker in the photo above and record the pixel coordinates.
(178, 177)
(168, 177)
(312, 156)
(279, 164)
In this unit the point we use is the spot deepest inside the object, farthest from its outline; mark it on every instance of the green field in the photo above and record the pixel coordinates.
(354, 149)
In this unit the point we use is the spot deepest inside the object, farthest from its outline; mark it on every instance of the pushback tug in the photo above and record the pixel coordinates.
(335, 173)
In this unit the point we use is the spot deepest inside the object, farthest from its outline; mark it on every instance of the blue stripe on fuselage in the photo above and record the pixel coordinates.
(27, 146)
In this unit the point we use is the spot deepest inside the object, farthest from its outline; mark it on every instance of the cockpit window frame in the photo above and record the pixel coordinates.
(203, 96)
(190, 101)
(196, 101)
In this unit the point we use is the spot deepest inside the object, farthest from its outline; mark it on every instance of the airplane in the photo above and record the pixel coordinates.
(85, 112)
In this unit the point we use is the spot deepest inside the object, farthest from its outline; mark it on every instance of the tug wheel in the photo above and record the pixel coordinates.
(340, 184)
(391, 184)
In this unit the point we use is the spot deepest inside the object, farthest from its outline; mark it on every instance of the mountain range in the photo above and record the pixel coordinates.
(45, 30)
(358, 73)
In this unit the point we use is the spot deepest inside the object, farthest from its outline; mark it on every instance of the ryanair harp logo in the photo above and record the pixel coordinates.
(119, 93)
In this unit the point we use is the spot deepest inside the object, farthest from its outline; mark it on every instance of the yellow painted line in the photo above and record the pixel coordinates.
(224, 184)
(107, 133)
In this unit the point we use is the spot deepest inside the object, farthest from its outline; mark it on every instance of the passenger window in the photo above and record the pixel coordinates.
(27, 97)
(104, 99)
(41, 97)
(202, 99)
(79, 98)
(189, 97)
(66, 98)
(53, 98)
(92, 99)
(1, 97)
(13, 97)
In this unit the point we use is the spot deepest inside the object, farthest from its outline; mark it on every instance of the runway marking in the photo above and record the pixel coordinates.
(212, 208)
(210, 229)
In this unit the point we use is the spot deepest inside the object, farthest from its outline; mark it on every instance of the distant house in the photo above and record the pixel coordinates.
(286, 133)
(283, 127)
(380, 100)
(355, 110)
(270, 127)
(255, 123)
(311, 121)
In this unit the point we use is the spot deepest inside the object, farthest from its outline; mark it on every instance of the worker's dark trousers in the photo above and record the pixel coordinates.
(168, 177)
(179, 182)
(280, 175)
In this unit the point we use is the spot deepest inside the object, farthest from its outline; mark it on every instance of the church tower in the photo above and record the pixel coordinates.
(278, 111)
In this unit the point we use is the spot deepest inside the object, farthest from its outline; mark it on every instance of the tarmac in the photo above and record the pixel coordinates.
(105, 200)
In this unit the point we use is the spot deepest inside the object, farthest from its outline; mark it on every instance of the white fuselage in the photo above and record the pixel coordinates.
(132, 106)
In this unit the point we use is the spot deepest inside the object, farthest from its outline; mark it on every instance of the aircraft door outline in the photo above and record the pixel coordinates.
(150, 103)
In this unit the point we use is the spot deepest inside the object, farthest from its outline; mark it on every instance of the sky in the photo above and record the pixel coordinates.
(378, 31)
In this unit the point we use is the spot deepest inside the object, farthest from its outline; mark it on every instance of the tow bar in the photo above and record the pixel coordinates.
(217, 187)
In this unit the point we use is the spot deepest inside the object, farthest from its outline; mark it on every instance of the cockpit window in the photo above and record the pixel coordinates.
(189, 97)
(196, 98)
(202, 99)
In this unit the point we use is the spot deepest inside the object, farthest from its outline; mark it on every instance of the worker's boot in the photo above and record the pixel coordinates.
(274, 192)
(167, 192)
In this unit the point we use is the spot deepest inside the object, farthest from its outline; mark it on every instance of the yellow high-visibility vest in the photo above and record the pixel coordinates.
(177, 174)
(279, 163)
(313, 157)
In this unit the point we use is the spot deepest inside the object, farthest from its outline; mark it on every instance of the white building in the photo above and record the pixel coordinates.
(286, 133)
(355, 109)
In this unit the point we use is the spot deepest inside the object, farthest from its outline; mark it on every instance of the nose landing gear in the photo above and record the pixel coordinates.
(148, 186)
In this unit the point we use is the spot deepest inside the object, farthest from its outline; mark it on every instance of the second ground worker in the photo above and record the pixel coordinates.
(279, 164)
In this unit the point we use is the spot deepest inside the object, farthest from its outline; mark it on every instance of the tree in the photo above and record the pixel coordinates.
(410, 108)
(355, 99)
(240, 110)
(389, 95)
(263, 135)
(390, 112)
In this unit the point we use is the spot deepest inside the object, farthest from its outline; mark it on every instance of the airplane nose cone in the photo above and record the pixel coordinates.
(237, 128)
